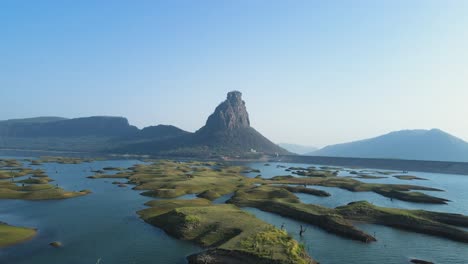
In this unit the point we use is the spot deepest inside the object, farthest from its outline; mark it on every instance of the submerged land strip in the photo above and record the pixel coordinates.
(37, 185)
(224, 228)
(11, 235)
(20, 182)
(229, 234)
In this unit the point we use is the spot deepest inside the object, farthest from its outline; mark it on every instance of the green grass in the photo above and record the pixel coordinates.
(62, 160)
(371, 177)
(36, 187)
(10, 190)
(396, 191)
(276, 199)
(408, 177)
(170, 179)
(11, 235)
(420, 221)
(225, 227)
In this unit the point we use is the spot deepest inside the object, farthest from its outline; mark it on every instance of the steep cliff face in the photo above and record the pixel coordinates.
(228, 130)
(101, 126)
(229, 115)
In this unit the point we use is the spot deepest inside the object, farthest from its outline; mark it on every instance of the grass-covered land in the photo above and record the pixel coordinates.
(36, 191)
(403, 192)
(370, 177)
(11, 235)
(301, 189)
(431, 223)
(16, 172)
(10, 163)
(62, 160)
(409, 177)
(280, 201)
(228, 231)
(234, 236)
(35, 187)
(314, 172)
(170, 179)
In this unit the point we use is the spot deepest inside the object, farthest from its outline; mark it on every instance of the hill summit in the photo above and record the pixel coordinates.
(229, 115)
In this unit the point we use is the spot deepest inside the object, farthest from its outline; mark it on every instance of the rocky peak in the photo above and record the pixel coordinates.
(229, 115)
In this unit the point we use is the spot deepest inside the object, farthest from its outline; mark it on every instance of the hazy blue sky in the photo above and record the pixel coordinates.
(312, 72)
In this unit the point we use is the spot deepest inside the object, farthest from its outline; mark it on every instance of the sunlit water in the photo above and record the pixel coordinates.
(104, 225)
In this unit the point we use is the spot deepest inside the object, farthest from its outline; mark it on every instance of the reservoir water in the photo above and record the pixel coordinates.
(103, 227)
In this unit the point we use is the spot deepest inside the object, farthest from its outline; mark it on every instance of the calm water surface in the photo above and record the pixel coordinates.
(104, 225)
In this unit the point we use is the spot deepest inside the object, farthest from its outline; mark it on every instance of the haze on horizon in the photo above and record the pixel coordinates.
(311, 72)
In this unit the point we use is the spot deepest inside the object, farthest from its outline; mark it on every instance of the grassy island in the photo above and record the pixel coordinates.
(409, 177)
(170, 179)
(36, 187)
(230, 233)
(280, 201)
(11, 235)
(420, 221)
(402, 192)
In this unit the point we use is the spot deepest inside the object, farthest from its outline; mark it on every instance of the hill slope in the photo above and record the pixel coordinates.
(226, 132)
(431, 144)
(58, 127)
(88, 134)
(298, 149)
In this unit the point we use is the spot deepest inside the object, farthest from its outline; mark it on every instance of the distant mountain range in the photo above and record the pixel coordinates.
(433, 144)
(298, 149)
(226, 132)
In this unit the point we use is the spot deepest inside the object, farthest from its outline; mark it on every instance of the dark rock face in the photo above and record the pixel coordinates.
(227, 132)
(229, 115)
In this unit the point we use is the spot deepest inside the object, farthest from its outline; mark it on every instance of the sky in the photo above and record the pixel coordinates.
(311, 72)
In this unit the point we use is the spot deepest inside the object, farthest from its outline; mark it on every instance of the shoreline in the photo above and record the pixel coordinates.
(448, 167)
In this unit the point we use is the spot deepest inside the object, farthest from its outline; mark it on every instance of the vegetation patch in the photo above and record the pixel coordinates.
(11, 235)
(420, 221)
(225, 228)
(409, 177)
(369, 177)
(171, 179)
(36, 187)
(393, 191)
(63, 160)
(278, 200)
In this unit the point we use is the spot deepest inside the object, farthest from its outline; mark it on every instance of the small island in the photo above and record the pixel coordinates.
(218, 226)
(11, 235)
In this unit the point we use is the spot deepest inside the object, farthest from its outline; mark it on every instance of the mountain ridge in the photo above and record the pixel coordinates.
(415, 144)
(227, 131)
